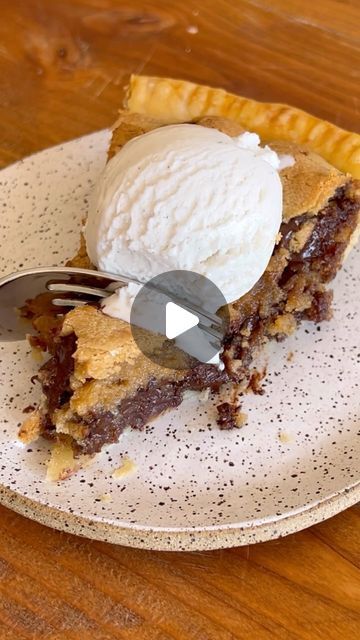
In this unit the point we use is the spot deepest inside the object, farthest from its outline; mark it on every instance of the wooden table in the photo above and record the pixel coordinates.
(62, 67)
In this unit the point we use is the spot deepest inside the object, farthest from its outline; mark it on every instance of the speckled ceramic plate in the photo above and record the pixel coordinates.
(296, 462)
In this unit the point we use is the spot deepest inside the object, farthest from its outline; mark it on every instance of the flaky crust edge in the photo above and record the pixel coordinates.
(180, 101)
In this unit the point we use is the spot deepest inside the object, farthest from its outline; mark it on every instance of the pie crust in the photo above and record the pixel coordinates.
(171, 100)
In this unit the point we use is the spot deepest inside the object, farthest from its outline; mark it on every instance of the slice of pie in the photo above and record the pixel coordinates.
(96, 382)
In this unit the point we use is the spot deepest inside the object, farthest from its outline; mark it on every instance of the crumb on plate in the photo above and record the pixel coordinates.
(284, 437)
(128, 466)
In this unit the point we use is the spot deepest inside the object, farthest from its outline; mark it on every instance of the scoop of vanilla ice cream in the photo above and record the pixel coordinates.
(188, 197)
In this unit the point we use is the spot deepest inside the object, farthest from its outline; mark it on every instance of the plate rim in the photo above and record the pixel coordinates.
(177, 539)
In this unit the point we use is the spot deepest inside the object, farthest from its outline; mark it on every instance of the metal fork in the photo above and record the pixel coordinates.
(64, 287)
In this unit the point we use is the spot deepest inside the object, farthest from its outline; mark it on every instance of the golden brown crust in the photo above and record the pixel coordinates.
(31, 428)
(172, 100)
(225, 125)
(128, 126)
(81, 260)
(98, 336)
(309, 183)
(284, 324)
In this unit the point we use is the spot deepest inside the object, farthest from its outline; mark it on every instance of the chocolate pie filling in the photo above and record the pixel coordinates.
(290, 290)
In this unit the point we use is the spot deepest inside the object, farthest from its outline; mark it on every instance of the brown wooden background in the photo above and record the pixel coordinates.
(62, 67)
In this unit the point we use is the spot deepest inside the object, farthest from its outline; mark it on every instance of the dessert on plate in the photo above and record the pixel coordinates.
(269, 218)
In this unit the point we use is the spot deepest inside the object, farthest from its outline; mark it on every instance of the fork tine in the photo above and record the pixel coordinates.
(64, 287)
(67, 302)
(189, 305)
(211, 331)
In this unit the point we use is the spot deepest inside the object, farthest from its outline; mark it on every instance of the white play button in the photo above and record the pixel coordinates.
(157, 308)
(178, 320)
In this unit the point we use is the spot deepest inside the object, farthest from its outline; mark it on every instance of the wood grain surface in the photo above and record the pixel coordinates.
(62, 69)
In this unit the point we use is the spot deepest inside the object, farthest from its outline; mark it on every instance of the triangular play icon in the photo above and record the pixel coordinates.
(178, 320)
